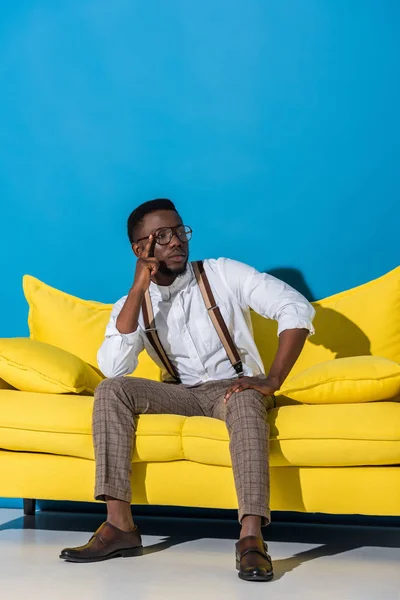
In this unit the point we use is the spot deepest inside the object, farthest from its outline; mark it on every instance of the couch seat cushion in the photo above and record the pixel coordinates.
(305, 435)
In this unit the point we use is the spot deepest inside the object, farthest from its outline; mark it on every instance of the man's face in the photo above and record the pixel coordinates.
(174, 255)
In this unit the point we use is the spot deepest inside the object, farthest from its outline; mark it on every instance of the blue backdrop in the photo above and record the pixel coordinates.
(274, 126)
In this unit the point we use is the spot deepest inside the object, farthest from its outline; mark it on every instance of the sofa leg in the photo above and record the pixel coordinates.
(29, 507)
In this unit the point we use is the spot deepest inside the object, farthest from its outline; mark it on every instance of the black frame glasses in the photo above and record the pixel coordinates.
(185, 235)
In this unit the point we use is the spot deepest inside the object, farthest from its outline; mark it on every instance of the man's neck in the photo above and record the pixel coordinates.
(164, 280)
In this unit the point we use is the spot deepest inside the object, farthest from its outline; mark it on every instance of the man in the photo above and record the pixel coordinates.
(205, 372)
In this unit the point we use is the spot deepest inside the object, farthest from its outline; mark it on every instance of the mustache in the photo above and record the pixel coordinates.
(177, 254)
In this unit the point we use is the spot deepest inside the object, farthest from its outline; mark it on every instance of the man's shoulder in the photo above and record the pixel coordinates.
(230, 274)
(215, 263)
(215, 267)
(226, 266)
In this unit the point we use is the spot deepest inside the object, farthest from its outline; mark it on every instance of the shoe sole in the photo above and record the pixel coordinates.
(255, 577)
(125, 553)
(244, 577)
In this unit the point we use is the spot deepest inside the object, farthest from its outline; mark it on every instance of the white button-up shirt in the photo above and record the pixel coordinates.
(187, 333)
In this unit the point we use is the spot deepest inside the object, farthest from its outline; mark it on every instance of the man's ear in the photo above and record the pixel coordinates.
(137, 251)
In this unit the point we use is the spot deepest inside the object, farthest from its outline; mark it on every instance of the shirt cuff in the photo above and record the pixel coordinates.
(130, 338)
(127, 338)
(295, 323)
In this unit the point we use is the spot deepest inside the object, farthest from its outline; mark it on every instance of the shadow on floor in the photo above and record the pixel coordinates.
(329, 540)
(286, 565)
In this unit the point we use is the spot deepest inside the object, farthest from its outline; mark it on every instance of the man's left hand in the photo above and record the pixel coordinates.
(266, 386)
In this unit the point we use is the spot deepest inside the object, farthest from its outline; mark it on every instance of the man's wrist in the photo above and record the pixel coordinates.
(274, 381)
(136, 291)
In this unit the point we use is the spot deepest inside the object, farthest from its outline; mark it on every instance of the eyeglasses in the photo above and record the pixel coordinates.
(163, 236)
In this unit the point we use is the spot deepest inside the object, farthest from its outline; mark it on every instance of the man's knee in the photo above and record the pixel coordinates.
(246, 403)
(109, 388)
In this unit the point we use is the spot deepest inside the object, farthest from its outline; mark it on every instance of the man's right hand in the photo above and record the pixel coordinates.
(146, 267)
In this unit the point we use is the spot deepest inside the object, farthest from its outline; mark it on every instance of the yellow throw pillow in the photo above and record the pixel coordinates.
(75, 325)
(57, 318)
(36, 367)
(360, 321)
(344, 381)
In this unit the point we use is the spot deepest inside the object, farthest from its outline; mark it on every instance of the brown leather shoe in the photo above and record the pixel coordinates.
(252, 559)
(107, 542)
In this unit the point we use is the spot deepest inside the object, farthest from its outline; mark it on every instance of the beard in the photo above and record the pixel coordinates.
(178, 270)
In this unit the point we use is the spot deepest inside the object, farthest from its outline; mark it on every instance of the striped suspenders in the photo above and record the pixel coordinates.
(215, 316)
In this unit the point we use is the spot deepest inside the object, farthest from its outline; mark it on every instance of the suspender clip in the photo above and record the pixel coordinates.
(239, 368)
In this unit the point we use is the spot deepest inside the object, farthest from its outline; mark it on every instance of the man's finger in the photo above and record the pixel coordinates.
(231, 390)
(241, 387)
(152, 246)
(228, 394)
(149, 247)
(236, 388)
(242, 384)
(154, 268)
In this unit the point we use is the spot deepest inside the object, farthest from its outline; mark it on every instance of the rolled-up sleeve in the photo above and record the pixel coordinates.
(118, 354)
(268, 296)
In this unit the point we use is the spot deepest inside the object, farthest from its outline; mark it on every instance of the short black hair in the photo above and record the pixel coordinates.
(136, 217)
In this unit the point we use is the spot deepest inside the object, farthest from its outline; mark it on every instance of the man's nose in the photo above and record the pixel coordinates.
(175, 241)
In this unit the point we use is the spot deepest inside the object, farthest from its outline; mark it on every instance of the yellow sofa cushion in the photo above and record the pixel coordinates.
(302, 435)
(36, 367)
(73, 324)
(345, 380)
(361, 321)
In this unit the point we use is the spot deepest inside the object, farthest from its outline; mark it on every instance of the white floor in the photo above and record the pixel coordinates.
(348, 564)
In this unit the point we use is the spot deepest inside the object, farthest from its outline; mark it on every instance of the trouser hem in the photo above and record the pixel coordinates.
(257, 511)
(108, 490)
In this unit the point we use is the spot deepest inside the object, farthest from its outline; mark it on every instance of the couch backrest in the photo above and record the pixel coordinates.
(362, 321)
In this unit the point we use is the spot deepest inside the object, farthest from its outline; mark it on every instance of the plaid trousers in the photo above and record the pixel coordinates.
(119, 399)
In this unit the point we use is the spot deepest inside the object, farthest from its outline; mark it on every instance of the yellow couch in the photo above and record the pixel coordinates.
(342, 456)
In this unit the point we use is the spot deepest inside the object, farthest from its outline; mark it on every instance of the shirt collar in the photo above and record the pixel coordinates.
(167, 292)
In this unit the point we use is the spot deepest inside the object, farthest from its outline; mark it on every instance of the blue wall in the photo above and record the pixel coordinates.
(274, 125)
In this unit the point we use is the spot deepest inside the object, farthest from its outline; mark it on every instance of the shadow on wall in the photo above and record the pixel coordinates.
(351, 341)
(295, 278)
